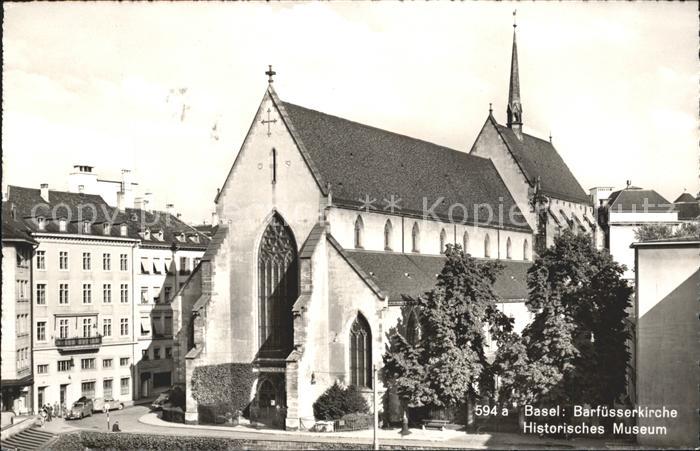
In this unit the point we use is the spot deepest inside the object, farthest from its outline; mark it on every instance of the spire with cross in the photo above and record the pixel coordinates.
(514, 109)
(270, 73)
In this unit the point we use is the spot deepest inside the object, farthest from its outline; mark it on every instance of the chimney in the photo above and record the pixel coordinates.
(45, 192)
(169, 208)
(120, 200)
(629, 183)
(138, 203)
(148, 201)
(178, 216)
(214, 218)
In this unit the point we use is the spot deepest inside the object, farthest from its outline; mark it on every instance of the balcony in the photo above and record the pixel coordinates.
(78, 343)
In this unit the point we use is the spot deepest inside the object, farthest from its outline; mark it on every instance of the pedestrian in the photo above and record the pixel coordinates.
(49, 410)
(64, 411)
(56, 412)
(115, 427)
(42, 415)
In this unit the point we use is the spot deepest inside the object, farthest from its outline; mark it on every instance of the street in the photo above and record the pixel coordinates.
(138, 419)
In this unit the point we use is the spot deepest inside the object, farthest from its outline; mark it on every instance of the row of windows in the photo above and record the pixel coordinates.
(85, 226)
(63, 366)
(63, 293)
(160, 328)
(22, 358)
(166, 266)
(87, 328)
(86, 261)
(87, 389)
(22, 290)
(157, 298)
(145, 354)
(22, 324)
(415, 240)
(24, 255)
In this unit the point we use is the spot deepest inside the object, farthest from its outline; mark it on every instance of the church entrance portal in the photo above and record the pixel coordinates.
(269, 407)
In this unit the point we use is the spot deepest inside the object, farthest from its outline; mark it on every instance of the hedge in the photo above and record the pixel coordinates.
(127, 441)
(222, 390)
(337, 401)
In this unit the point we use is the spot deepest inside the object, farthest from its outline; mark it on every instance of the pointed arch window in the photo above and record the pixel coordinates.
(359, 228)
(443, 241)
(526, 250)
(278, 288)
(509, 249)
(413, 332)
(388, 230)
(487, 246)
(465, 242)
(360, 353)
(415, 238)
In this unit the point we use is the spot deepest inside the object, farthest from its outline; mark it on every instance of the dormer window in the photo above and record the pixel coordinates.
(195, 238)
(105, 228)
(86, 227)
(147, 234)
(159, 235)
(181, 237)
(62, 225)
(122, 230)
(41, 223)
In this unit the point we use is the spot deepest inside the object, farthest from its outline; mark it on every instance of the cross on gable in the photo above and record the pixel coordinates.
(268, 122)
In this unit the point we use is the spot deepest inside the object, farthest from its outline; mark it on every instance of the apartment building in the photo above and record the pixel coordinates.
(16, 364)
(168, 251)
(83, 321)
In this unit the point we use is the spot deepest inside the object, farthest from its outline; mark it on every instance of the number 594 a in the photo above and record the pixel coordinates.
(484, 411)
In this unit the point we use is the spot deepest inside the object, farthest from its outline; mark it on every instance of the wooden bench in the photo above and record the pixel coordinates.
(435, 424)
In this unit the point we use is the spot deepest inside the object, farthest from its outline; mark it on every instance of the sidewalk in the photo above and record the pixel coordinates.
(392, 437)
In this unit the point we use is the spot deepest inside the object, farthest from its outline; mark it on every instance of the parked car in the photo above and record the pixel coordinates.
(80, 409)
(161, 399)
(99, 404)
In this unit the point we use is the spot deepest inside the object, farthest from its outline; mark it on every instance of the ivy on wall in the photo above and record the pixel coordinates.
(222, 389)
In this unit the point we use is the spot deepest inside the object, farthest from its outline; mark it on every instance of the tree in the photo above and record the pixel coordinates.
(575, 350)
(448, 361)
(650, 232)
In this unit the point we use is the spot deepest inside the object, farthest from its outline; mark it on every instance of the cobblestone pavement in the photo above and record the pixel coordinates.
(137, 419)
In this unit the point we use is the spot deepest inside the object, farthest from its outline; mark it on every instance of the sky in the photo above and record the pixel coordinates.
(169, 89)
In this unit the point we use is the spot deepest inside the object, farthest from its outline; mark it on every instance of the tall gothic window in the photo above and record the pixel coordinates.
(278, 288)
(465, 242)
(526, 250)
(360, 353)
(359, 228)
(509, 249)
(415, 238)
(412, 329)
(443, 241)
(388, 229)
(487, 246)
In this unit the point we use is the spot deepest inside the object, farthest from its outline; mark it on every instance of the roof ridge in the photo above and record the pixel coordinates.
(385, 131)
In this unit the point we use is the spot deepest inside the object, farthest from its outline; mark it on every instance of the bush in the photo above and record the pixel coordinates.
(337, 401)
(222, 389)
(118, 441)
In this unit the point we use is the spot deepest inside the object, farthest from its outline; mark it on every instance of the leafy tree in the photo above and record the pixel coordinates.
(448, 362)
(650, 232)
(575, 349)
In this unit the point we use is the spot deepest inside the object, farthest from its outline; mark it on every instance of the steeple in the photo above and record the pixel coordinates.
(514, 109)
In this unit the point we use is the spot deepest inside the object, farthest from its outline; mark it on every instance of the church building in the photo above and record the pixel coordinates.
(325, 224)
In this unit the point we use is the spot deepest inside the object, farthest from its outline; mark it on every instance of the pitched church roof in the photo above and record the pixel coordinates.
(538, 158)
(635, 199)
(359, 160)
(13, 229)
(399, 274)
(685, 197)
